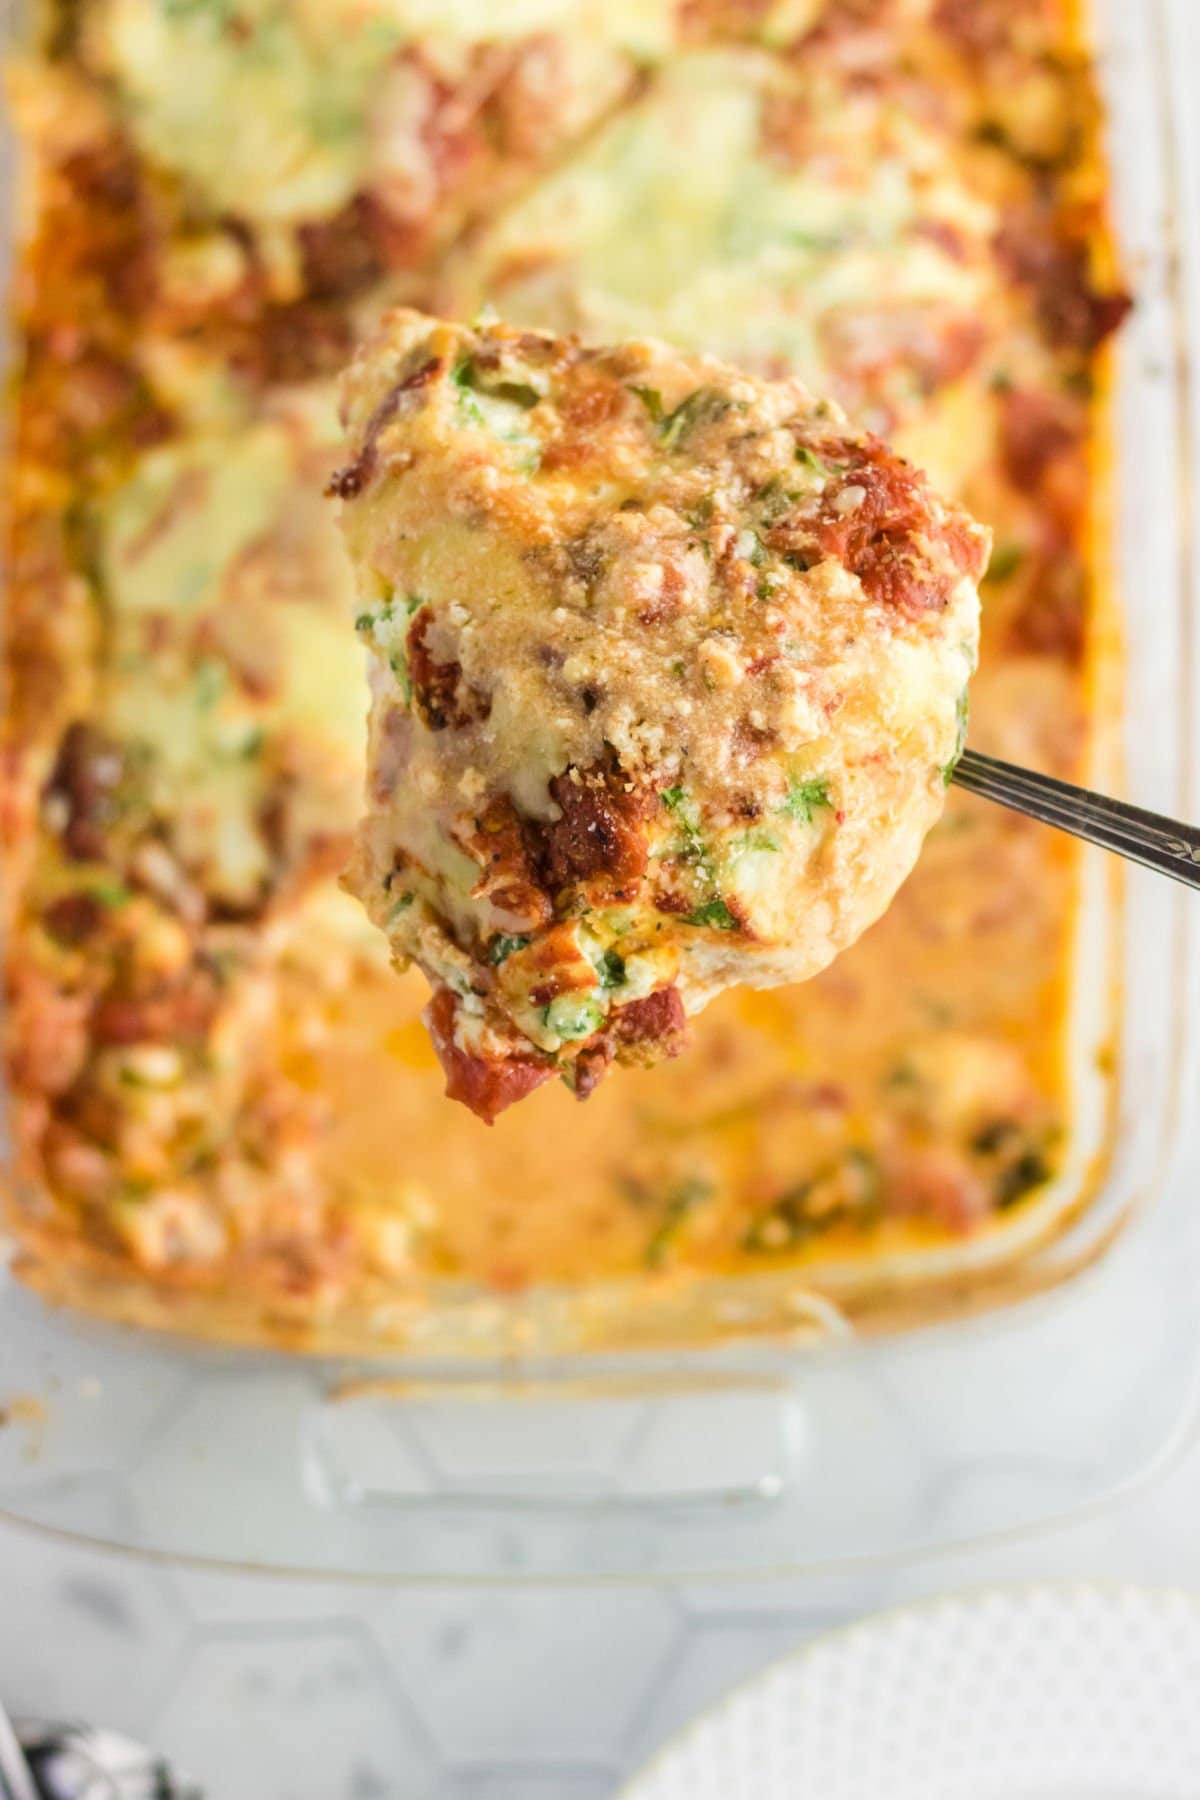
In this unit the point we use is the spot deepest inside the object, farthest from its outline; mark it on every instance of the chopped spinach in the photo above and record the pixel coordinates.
(501, 948)
(993, 1137)
(701, 407)
(812, 461)
(782, 1224)
(517, 393)
(715, 914)
(469, 379)
(678, 1203)
(692, 847)
(398, 664)
(469, 410)
(611, 969)
(757, 553)
(473, 387)
(400, 905)
(803, 798)
(572, 1016)
(652, 400)
(366, 621)
(1029, 1171)
(757, 838)
(846, 1188)
(775, 499)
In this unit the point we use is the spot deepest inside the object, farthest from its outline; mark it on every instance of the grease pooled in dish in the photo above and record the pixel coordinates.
(668, 671)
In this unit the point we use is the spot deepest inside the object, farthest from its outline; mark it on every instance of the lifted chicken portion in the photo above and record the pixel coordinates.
(668, 672)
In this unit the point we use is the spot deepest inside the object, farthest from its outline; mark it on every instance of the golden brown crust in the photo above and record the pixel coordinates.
(634, 599)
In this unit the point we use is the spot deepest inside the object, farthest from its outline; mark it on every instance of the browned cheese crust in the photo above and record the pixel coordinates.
(669, 671)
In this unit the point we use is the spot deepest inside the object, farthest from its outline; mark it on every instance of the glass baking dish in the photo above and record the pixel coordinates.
(500, 1450)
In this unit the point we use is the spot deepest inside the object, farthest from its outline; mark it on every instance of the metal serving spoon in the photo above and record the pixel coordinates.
(1143, 837)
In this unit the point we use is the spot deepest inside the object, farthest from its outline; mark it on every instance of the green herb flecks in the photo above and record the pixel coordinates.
(804, 798)
(462, 377)
(782, 1225)
(690, 844)
(468, 378)
(679, 1203)
(474, 388)
(398, 908)
(501, 948)
(611, 969)
(757, 838)
(751, 547)
(1020, 1178)
(846, 1189)
(812, 461)
(776, 499)
(691, 848)
(701, 407)
(393, 642)
(652, 400)
(994, 1136)
(384, 614)
(704, 407)
(714, 914)
(571, 1017)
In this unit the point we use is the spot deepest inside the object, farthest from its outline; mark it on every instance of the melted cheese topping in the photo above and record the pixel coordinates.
(756, 209)
(679, 661)
(229, 660)
(329, 99)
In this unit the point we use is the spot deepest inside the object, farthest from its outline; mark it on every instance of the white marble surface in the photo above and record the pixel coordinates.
(269, 1689)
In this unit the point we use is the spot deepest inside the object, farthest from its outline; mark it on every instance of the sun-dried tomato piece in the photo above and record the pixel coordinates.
(601, 838)
(441, 696)
(487, 1085)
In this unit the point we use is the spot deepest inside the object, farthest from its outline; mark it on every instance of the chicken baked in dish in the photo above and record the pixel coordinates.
(668, 677)
(225, 1113)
